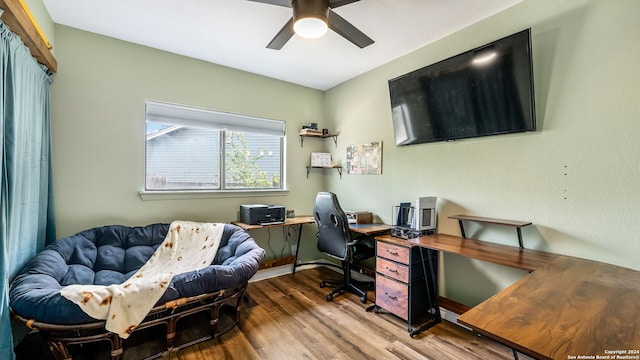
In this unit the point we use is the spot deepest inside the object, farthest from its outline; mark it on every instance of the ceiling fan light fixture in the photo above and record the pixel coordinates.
(310, 18)
(310, 28)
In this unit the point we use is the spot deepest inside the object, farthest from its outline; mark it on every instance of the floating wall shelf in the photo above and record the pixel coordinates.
(334, 136)
(339, 168)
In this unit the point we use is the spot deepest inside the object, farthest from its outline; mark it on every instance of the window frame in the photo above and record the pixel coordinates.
(224, 122)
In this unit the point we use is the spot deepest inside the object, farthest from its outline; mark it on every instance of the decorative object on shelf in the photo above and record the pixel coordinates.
(365, 159)
(321, 159)
(311, 126)
(310, 132)
(307, 131)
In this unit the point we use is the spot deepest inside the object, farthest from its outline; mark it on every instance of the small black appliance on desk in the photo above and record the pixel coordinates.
(260, 214)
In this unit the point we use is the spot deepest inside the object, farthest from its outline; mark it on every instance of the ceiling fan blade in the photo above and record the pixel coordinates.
(282, 36)
(348, 31)
(337, 3)
(285, 3)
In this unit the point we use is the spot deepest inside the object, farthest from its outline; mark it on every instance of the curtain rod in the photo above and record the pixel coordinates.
(19, 19)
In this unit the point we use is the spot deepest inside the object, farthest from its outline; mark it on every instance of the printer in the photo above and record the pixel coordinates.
(259, 214)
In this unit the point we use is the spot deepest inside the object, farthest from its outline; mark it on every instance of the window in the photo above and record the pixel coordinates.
(200, 149)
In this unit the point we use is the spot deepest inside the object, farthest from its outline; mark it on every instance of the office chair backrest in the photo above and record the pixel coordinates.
(333, 226)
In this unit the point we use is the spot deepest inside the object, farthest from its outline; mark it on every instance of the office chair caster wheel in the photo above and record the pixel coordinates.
(363, 299)
(329, 297)
(322, 284)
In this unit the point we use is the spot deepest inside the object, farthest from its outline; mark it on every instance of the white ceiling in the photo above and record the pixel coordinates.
(234, 33)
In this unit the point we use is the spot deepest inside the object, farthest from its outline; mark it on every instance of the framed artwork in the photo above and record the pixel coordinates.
(365, 159)
(320, 159)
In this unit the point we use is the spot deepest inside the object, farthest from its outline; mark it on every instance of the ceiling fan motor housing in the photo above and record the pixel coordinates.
(318, 9)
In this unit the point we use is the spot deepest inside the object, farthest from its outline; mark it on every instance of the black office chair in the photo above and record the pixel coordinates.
(334, 239)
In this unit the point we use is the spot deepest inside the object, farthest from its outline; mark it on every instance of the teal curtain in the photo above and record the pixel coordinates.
(25, 180)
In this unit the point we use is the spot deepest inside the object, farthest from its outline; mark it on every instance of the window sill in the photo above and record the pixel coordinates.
(150, 195)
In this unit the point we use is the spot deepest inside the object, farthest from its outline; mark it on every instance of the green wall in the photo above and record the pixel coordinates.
(576, 178)
(41, 15)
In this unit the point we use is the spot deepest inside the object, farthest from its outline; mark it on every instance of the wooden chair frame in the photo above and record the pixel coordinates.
(60, 337)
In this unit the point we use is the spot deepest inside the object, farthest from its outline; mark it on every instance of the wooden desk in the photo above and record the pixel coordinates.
(298, 220)
(294, 221)
(523, 259)
(518, 258)
(567, 306)
(570, 307)
(369, 229)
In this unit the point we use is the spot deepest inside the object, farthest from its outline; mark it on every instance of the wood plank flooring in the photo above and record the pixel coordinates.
(287, 317)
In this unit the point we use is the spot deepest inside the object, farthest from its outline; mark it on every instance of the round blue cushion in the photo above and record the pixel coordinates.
(110, 255)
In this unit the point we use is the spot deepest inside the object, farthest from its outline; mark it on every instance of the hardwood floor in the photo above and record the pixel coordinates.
(287, 317)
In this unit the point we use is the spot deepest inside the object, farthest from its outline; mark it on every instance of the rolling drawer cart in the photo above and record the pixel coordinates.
(406, 283)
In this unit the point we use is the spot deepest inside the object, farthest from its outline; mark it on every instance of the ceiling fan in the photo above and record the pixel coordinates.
(312, 18)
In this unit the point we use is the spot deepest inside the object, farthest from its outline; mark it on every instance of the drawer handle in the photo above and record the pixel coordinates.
(394, 253)
(392, 270)
(394, 298)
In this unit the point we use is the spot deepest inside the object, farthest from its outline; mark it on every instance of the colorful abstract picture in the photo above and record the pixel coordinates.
(365, 159)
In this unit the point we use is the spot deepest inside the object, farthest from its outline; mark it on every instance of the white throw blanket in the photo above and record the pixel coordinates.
(188, 246)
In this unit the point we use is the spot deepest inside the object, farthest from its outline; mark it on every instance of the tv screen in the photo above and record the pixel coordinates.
(484, 91)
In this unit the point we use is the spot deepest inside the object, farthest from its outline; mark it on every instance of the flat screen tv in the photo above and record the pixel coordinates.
(484, 91)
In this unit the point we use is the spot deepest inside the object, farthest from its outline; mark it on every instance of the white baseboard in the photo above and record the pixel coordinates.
(279, 270)
(451, 317)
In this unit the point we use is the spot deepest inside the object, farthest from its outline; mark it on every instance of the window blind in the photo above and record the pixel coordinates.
(167, 113)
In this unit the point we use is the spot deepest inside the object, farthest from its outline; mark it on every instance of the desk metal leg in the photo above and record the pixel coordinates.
(295, 262)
